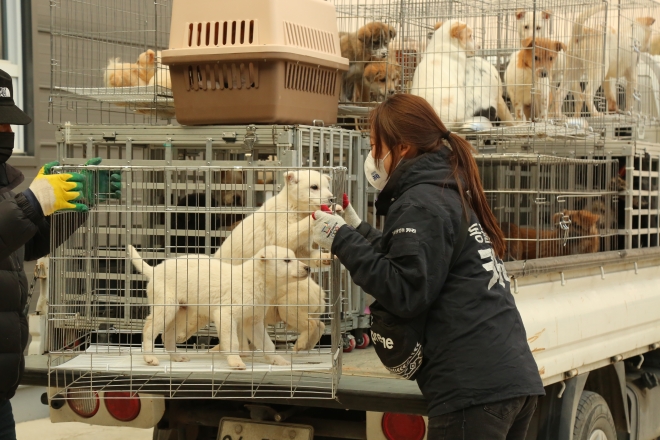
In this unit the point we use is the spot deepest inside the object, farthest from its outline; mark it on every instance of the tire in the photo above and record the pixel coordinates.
(362, 342)
(593, 420)
(349, 343)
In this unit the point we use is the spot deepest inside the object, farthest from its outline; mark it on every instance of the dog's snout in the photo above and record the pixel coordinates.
(307, 269)
(543, 74)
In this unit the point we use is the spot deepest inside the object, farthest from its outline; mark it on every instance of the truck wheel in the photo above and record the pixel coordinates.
(593, 420)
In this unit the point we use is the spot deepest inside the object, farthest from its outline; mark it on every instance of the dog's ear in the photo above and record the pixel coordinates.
(457, 29)
(560, 46)
(557, 216)
(645, 21)
(527, 42)
(365, 32)
(437, 26)
(520, 14)
(291, 177)
(370, 72)
(328, 178)
(392, 31)
(546, 15)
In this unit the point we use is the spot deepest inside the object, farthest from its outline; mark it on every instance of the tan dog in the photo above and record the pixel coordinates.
(369, 43)
(161, 76)
(529, 70)
(379, 81)
(118, 74)
(623, 61)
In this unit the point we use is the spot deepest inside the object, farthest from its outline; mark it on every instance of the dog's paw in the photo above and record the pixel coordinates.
(278, 360)
(235, 361)
(179, 358)
(151, 360)
(326, 258)
(181, 338)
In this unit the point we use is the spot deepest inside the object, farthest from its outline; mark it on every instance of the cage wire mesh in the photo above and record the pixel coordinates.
(207, 314)
(105, 62)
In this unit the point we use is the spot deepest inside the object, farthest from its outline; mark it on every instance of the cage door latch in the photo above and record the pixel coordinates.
(250, 137)
(565, 225)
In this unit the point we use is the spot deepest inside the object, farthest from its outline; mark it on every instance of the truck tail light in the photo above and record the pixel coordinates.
(123, 406)
(83, 402)
(403, 426)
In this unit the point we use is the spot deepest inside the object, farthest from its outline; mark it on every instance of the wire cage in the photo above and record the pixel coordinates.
(550, 206)
(123, 281)
(105, 62)
(231, 147)
(540, 68)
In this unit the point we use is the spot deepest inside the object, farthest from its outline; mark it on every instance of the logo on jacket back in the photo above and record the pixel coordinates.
(386, 342)
(494, 264)
(4, 92)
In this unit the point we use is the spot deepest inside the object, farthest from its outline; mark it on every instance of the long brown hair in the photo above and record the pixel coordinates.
(410, 120)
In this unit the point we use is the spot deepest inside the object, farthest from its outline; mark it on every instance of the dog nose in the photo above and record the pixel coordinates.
(544, 73)
(391, 92)
(237, 200)
(307, 269)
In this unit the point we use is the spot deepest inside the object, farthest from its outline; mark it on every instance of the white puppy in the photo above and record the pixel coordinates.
(634, 37)
(527, 77)
(284, 220)
(232, 297)
(585, 57)
(457, 84)
(539, 26)
(299, 304)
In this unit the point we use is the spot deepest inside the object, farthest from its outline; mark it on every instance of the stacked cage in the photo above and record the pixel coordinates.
(175, 205)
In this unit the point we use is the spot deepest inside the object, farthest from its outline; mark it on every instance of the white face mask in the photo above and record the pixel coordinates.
(375, 173)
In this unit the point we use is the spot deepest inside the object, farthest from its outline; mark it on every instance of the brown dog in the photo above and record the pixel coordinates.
(369, 43)
(530, 243)
(379, 81)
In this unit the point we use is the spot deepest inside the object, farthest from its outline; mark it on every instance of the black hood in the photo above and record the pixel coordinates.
(428, 168)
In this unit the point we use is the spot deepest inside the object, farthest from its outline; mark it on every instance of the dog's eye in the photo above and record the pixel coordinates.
(287, 261)
(526, 26)
(536, 58)
(550, 58)
(315, 187)
(538, 28)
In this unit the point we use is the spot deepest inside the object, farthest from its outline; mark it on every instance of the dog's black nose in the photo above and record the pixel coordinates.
(308, 269)
(544, 74)
(391, 92)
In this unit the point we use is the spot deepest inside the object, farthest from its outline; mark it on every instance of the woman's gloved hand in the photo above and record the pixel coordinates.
(104, 184)
(57, 192)
(350, 215)
(325, 227)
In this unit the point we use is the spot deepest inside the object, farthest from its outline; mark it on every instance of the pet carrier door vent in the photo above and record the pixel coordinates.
(223, 76)
(310, 79)
(301, 36)
(221, 33)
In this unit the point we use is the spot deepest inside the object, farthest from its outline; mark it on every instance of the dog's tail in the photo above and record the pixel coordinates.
(578, 24)
(138, 262)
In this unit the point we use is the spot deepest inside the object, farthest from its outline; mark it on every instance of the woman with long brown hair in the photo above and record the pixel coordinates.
(437, 267)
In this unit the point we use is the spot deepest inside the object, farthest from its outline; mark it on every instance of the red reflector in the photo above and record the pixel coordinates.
(123, 406)
(403, 426)
(83, 402)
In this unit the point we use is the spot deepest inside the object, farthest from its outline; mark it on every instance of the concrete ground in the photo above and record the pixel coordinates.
(43, 429)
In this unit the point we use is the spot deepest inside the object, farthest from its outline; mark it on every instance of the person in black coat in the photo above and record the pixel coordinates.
(25, 235)
(477, 372)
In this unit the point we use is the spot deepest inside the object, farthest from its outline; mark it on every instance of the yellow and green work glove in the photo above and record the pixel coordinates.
(58, 192)
(100, 184)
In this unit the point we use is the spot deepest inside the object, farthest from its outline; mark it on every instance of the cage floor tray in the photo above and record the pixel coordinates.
(107, 358)
(128, 95)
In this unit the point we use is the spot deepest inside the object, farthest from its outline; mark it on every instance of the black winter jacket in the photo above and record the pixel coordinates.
(24, 236)
(475, 349)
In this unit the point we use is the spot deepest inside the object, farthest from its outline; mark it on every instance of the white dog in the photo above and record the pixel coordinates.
(457, 84)
(528, 27)
(633, 38)
(527, 77)
(585, 57)
(284, 220)
(298, 304)
(233, 297)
